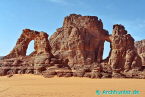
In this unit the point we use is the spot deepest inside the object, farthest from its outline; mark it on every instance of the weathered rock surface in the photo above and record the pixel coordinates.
(76, 49)
(41, 44)
(80, 40)
(123, 52)
(37, 62)
(140, 46)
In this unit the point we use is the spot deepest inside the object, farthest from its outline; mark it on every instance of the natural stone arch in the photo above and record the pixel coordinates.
(80, 40)
(107, 50)
(30, 48)
(41, 44)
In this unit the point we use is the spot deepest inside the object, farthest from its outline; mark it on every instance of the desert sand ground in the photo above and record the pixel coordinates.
(37, 86)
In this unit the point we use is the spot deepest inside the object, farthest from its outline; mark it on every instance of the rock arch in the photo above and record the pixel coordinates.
(41, 44)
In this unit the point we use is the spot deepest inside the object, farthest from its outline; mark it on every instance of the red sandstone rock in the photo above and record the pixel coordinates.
(123, 52)
(79, 43)
(16, 62)
(140, 46)
(41, 44)
(80, 40)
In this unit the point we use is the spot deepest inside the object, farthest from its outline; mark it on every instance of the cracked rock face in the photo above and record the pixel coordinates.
(123, 52)
(140, 46)
(80, 40)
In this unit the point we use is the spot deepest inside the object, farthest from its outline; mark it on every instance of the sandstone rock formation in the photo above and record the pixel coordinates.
(140, 46)
(39, 61)
(41, 44)
(123, 52)
(80, 40)
(76, 49)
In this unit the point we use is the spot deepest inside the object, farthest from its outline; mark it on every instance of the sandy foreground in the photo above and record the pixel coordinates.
(37, 86)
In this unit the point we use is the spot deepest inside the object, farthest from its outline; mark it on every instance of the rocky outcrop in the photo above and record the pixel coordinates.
(38, 62)
(41, 44)
(140, 46)
(123, 56)
(80, 40)
(76, 49)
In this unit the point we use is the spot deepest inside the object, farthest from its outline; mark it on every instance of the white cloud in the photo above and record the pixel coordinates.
(58, 1)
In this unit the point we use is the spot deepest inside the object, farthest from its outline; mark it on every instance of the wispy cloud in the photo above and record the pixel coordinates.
(68, 2)
(58, 1)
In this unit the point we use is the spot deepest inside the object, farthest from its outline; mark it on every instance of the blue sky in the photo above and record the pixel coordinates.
(48, 15)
